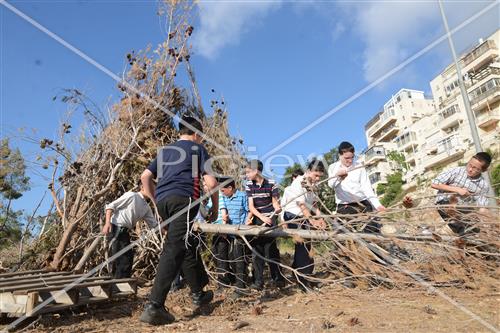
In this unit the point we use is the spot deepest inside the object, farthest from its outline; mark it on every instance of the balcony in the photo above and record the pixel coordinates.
(406, 141)
(449, 120)
(410, 157)
(480, 56)
(478, 77)
(486, 94)
(387, 118)
(446, 150)
(389, 133)
(374, 154)
(488, 118)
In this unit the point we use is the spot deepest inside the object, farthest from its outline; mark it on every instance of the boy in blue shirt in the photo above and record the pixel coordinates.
(234, 209)
(221, 245)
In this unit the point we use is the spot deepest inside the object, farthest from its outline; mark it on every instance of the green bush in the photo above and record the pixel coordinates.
(393, 188)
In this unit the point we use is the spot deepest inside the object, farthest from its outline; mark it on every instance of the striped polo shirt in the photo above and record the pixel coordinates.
(263, 195)
(458, 177)
(236, 206)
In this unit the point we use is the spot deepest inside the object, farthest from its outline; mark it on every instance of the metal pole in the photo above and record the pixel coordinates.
(465, 97)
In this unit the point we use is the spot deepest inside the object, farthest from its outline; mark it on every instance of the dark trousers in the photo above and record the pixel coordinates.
(266, 247)
(220, 248)
(176, 253)
(356, 208)
(462, 222)
(302, 260)
(240, 261)
(122, 265)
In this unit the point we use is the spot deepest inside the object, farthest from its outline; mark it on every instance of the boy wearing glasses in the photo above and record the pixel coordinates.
(462, 185)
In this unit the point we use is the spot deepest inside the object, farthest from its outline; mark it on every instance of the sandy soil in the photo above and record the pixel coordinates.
(332, 309)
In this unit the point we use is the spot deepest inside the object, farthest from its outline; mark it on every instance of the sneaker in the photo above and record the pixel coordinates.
(155, 314)
(202, 297)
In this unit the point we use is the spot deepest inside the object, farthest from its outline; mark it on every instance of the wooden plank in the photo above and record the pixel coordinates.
(87, 284)
(62, 296)
(125, 287)
(82, 301)
(97, 291)
(41, 284)
(9, 304)
(31, 303)
(27, 277)
(36, 279)
(10, 274)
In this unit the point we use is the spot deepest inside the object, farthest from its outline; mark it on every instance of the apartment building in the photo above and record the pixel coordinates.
(450, 143)
(434, 134)
(392, 128)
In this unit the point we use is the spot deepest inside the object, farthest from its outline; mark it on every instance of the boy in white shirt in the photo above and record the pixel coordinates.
(121, 217)
(353, 190)
(285, 198)
(300, 205)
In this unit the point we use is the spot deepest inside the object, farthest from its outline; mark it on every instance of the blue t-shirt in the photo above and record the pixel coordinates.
(179, 167)
(236, 206)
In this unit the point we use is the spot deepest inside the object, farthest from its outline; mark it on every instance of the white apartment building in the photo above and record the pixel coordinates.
(434, 134)
(449, 142)
(393, 129)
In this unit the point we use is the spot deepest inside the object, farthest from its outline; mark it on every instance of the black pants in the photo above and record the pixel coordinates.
(357, 208)
(266, 247)
(460, 224)
(302, 260)
(122, 265)
(176, 253)
(220, 247)
(240, 261)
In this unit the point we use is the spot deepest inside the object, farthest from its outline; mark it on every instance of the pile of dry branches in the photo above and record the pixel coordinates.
(413, 249)
(113, 149)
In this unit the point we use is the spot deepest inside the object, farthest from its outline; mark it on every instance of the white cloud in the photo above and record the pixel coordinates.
(223, 23)
(393, 31)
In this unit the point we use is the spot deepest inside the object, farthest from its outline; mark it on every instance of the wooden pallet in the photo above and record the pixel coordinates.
(22, 292)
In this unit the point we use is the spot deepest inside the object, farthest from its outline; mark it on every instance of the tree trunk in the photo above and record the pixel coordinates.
(87, 253)
(246, 230)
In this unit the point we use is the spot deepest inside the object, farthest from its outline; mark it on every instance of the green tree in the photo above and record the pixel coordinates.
(399, 159)
(13, 182)
(287, 177)
(392, 189)
(394, 182)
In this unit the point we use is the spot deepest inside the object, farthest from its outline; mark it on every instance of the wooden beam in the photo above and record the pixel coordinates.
(88, 284)
(40, 284)
(5, 275)
(27, 277)
(248, 230)
(12, 283)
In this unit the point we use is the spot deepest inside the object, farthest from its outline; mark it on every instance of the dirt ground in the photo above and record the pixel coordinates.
(332, 308)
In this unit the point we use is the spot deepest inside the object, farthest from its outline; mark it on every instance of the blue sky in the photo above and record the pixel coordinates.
(279, 65)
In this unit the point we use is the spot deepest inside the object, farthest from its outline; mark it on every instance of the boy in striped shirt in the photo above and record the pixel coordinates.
(263, 203)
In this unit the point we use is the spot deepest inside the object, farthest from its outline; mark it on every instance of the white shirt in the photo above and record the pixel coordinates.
(294, 195)
(130, 208)
(355, 187)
